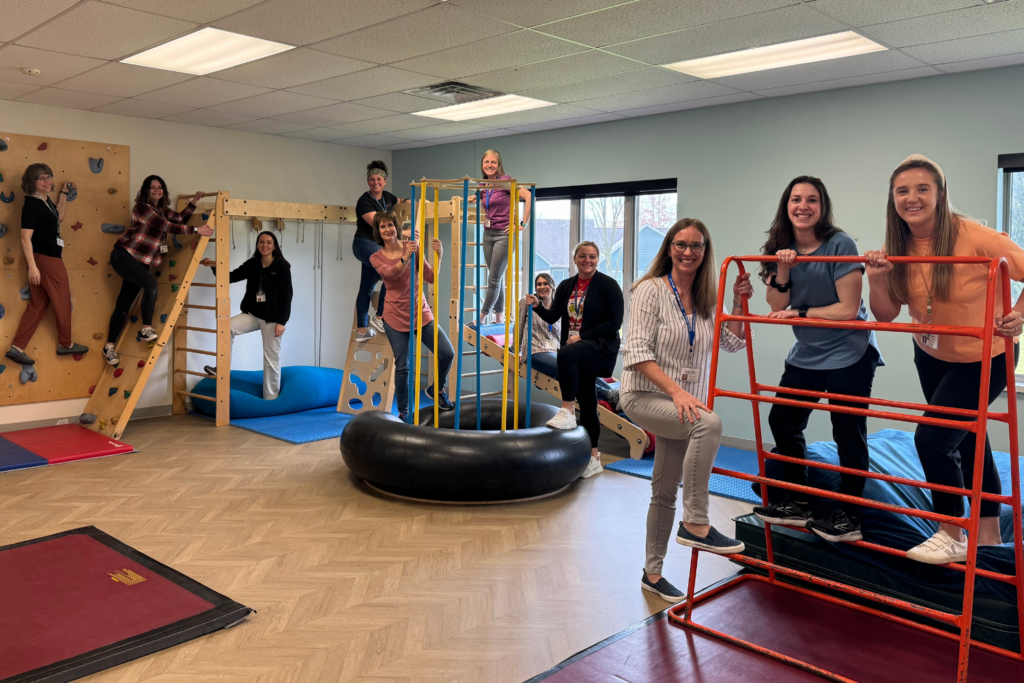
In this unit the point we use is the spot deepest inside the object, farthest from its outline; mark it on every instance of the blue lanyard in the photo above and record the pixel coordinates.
(382, 204)
(576, 298)
(691, 327)
(487, 201)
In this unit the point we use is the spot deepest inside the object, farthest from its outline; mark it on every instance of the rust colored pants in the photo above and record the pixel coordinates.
(53, 288)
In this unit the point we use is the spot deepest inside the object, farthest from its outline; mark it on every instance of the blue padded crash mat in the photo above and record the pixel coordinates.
(303, 388)
(728, 458)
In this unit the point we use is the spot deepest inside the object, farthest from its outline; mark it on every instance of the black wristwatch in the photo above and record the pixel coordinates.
(782, 288)
(803, 311)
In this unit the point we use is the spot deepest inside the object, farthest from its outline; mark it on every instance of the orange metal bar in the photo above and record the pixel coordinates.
(998, 276)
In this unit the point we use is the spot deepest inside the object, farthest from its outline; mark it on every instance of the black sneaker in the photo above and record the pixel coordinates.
(148, 334)
(838, 527)
(715, 542)
(442, 400)
(19, 356)
(786, 511)
(210, 370)
(663, 589)
(71, 350)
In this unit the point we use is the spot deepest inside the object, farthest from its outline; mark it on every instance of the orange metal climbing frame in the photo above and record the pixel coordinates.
(998, 276)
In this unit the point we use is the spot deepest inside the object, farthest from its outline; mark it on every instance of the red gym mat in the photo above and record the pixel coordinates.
(853, 644)
(81, 601)
(65, 443)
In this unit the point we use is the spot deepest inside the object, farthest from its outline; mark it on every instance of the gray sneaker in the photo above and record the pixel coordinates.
(73, 350)
(715, 542)
(19, 356)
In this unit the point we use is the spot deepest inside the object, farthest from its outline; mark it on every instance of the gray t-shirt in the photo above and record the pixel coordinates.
(814, 286)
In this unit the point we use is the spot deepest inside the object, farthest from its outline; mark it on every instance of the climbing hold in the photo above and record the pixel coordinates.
(86, 418)
(77, 226)
(76, 356)
(1, 177)
(118, 372)
(174, 288)
(113, 420)
(28, 374)
(3, 146)
(95, 165)
(92, 261)
(173, 263)
(206, 216)
(112, 391)
(156, 273)
(2, 311)
(111, 190)
(142, 363)
(26, 292)
(112, 228)
(172, 277)
(134, 318)
(42, 147)
(8, 260)
(92, 388)
(194, 245)
(3, 230)
(7, 199)
(138, 336)
(97, 335)
(163, 317)
(2, 368)
(127, 393)
(72, 194)
(103, 425)
(174, 238)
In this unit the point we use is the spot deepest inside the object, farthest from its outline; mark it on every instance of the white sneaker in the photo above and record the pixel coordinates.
(939, 549)
(593, 467)
(148, 334)
(563, 419)
(366, 336)
(110, 355)
(377, 323)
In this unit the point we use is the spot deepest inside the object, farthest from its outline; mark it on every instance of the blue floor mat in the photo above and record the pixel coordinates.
(728, 458)
(15, 457)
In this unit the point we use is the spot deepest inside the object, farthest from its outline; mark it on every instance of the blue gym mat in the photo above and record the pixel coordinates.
(15, 457)
(728, 458)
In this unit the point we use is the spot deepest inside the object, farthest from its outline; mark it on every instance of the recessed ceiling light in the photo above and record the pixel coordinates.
(492, 106)
(845, 44)
(206, 51)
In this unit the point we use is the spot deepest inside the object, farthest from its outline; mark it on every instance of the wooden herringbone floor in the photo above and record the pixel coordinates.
(350, 586)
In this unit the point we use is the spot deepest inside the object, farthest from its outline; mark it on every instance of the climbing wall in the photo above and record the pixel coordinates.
(104, 196)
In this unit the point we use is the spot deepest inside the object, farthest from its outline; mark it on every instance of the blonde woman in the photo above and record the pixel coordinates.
(667, 365)
(545, 335)
(920, 221)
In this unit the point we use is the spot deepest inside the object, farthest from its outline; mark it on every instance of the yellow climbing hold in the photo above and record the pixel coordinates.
(103, 425)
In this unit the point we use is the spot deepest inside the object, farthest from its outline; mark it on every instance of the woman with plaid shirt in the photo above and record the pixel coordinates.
(140, 247)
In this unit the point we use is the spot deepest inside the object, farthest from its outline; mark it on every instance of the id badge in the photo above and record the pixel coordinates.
(60, 242)
(261, 298)
(930, 340)
(163, 249)
(691, 375)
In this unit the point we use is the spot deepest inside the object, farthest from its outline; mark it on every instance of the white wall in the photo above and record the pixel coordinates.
(249, 166)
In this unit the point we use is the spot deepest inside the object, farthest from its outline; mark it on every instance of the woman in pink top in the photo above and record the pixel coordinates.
(920, 221)
(392, 263)
(498, 206)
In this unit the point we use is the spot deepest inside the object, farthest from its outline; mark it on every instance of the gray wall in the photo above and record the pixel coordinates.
(733, 161)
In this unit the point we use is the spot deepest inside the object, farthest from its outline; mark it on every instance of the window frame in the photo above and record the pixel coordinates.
(1006, 210)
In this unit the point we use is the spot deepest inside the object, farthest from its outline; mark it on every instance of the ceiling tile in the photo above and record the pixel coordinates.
(566, 123)
(920, 72)
(442, 130)
(67, 98)
(317, 134)
(861, 65)
(473, 137)
(409, 144)
(637, 20)
(10, 91)
(398, 101)
(362, 84)
(534, 12)
(867, 12)
(533, 116)
(208, 117)
(140, 108)
(20, 17)
(375, 141)
(55, 67)
(657, 96)
(302, 23)
(122, 80)
(692, 104)
(436, 28)
(94, 29)
(200, 11)
(293, 67)
(202, 92)
(575, 67)
(766, 28)
(631, 81)
(976, 64)
(500, 52)
(962, 23)
(274, 103)
(388, 124)
(267, 126)
(964, 49)
(334, 115)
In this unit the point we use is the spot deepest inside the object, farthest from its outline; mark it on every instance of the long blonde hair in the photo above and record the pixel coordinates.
(705, 287)
(898, 236)
(501, 167)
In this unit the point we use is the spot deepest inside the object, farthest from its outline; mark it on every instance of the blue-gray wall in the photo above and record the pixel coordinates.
(733, 161)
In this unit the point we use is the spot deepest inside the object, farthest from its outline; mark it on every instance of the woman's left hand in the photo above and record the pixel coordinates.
(205, 230)
(1010, 326)
(784, 314)
(438, 247)
(197, 197)
(573, 338)
(279, 330)
(742, 288)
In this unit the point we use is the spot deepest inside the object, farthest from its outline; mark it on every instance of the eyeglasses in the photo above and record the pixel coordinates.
(695, 247)
(44, 177)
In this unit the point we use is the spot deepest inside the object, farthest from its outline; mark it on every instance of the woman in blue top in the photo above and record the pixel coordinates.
(822, 359)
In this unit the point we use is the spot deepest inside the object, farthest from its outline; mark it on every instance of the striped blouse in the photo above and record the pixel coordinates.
(657, 332)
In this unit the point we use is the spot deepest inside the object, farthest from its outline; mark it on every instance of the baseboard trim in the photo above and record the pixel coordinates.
(137, 414)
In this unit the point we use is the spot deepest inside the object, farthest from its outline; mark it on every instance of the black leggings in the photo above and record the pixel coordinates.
(135, 277)
(947, 455)
(579, 367)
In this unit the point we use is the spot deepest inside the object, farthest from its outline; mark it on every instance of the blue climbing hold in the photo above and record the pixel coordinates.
(3, 229)
(7, 198)
(95, 165)
(112, 228)
(26, 293)
(28, 374)
(206, 216)
(2, 311)
(2, 368)
(135, 318)
(112, 391)
(3, 146)
(177, 243)
(163, 318)
(72, 194)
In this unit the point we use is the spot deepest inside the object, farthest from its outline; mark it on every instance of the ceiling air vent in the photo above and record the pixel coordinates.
(453, 92)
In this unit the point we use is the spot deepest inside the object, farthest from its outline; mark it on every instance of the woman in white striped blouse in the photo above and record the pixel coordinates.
(667, 361)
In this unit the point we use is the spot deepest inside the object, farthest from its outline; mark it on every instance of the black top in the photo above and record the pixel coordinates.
(602, 312)
(277, 286)
(41, 218)
(367, 204)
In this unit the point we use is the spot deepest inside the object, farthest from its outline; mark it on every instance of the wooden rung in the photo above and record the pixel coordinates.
(198, 329)
(197, 374)
(205, 398)
(203, 284)
(188, 350)
(205, 308)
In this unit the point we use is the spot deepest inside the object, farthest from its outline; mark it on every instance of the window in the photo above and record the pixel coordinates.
(655, 214)
(603, 224)
(1013, 221)
(553, 244)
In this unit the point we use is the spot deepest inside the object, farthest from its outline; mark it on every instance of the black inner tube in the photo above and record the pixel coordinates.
(490, 416)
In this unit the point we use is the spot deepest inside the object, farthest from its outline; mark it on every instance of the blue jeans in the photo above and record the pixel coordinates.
(363, 249)
(400, 347)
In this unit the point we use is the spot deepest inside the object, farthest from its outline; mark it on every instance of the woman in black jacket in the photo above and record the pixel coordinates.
(266, 306)
(589, 307)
